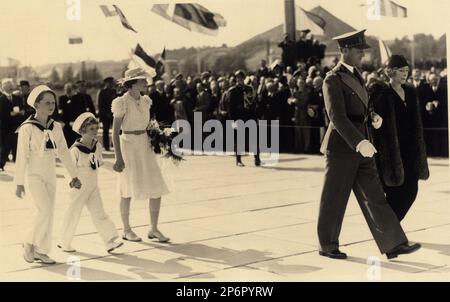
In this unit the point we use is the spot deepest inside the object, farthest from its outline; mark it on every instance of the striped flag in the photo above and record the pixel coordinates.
(107, 11)
(160, 64)
(191, 16)
(389, 8)
(143, 60)
(307, 20)
(116, 11)
(385, 52)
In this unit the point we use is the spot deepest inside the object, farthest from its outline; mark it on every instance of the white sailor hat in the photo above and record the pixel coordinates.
(36, 92)
(80, 120)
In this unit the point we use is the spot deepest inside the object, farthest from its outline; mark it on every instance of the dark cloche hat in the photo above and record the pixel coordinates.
(397, 61)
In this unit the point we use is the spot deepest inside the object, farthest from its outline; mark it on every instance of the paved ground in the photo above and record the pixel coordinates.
(235, 224)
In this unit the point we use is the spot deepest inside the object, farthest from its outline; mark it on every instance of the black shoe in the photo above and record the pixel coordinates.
(402, 249)
(257, 162)
(336, 254)
(239, 163)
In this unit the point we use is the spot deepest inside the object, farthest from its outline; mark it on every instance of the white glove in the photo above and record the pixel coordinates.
(366, 148)
(377, 121)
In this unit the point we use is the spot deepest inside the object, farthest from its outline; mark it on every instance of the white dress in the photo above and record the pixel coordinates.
(141, 178)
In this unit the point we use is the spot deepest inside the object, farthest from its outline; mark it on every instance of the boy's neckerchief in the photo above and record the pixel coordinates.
(91, 152)
(49, 142)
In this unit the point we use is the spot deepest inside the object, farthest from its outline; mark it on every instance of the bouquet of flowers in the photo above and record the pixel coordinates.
(161, 140)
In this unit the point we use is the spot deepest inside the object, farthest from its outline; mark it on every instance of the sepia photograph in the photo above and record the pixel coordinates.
(224, 141)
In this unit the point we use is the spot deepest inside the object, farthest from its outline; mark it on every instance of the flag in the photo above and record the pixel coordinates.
(385, 52)
(191, 16)
(117, 12)
(160, 64)
(75, 40)
(306, 20)
(108, 12)
(143, 60)
(389, 8)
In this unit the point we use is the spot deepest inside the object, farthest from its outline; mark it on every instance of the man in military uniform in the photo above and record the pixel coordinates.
(349, 158)
(241, 100)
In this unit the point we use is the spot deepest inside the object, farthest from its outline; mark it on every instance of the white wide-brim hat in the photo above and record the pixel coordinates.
(134, 74)
(80, 120)
(38, 90)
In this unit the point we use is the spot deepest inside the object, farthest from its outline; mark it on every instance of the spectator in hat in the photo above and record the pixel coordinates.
(238, 100)
(401, 157)
(104, 100)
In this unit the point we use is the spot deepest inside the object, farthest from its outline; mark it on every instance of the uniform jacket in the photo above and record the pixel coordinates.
(347, 104)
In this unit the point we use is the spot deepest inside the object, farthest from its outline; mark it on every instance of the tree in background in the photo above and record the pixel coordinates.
(68, 75)
(54, 76)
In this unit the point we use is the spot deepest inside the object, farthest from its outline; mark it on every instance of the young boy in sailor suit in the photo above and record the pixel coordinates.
(87, 155)
(39, 138)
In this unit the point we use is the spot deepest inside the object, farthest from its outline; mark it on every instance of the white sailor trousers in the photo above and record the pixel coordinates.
(41, 176)
(89, 196)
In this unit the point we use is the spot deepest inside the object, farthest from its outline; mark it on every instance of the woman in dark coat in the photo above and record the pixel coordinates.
(401, 158)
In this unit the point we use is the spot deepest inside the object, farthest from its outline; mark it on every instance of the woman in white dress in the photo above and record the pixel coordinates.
(140, 175)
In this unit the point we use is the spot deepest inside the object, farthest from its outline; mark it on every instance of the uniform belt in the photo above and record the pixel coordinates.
(357, 118)
(135, 132)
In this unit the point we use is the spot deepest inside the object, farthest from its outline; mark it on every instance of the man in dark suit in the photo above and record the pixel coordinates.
(439, 116)
(25, 90)
(426, 95)
(349, 158)
(12, 114)
(104, 101)
(238, 96)
(74, 106)
(161, 109)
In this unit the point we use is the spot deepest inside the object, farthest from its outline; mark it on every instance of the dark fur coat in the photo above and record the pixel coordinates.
(389, 158)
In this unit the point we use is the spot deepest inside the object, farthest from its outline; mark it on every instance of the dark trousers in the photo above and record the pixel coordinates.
(9, 145)
(106, 126)
(247, 144)
(302, 138)
(353, 172)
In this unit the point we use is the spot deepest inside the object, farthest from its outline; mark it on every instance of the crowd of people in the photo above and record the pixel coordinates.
(293, 96)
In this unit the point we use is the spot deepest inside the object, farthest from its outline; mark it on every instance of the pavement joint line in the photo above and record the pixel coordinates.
(188, 219)
(283, 206)
(176, 204)
(247, 183)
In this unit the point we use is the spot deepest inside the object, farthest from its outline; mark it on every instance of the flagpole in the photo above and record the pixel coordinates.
(289, 19)
(413, 52)
(199, 62)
